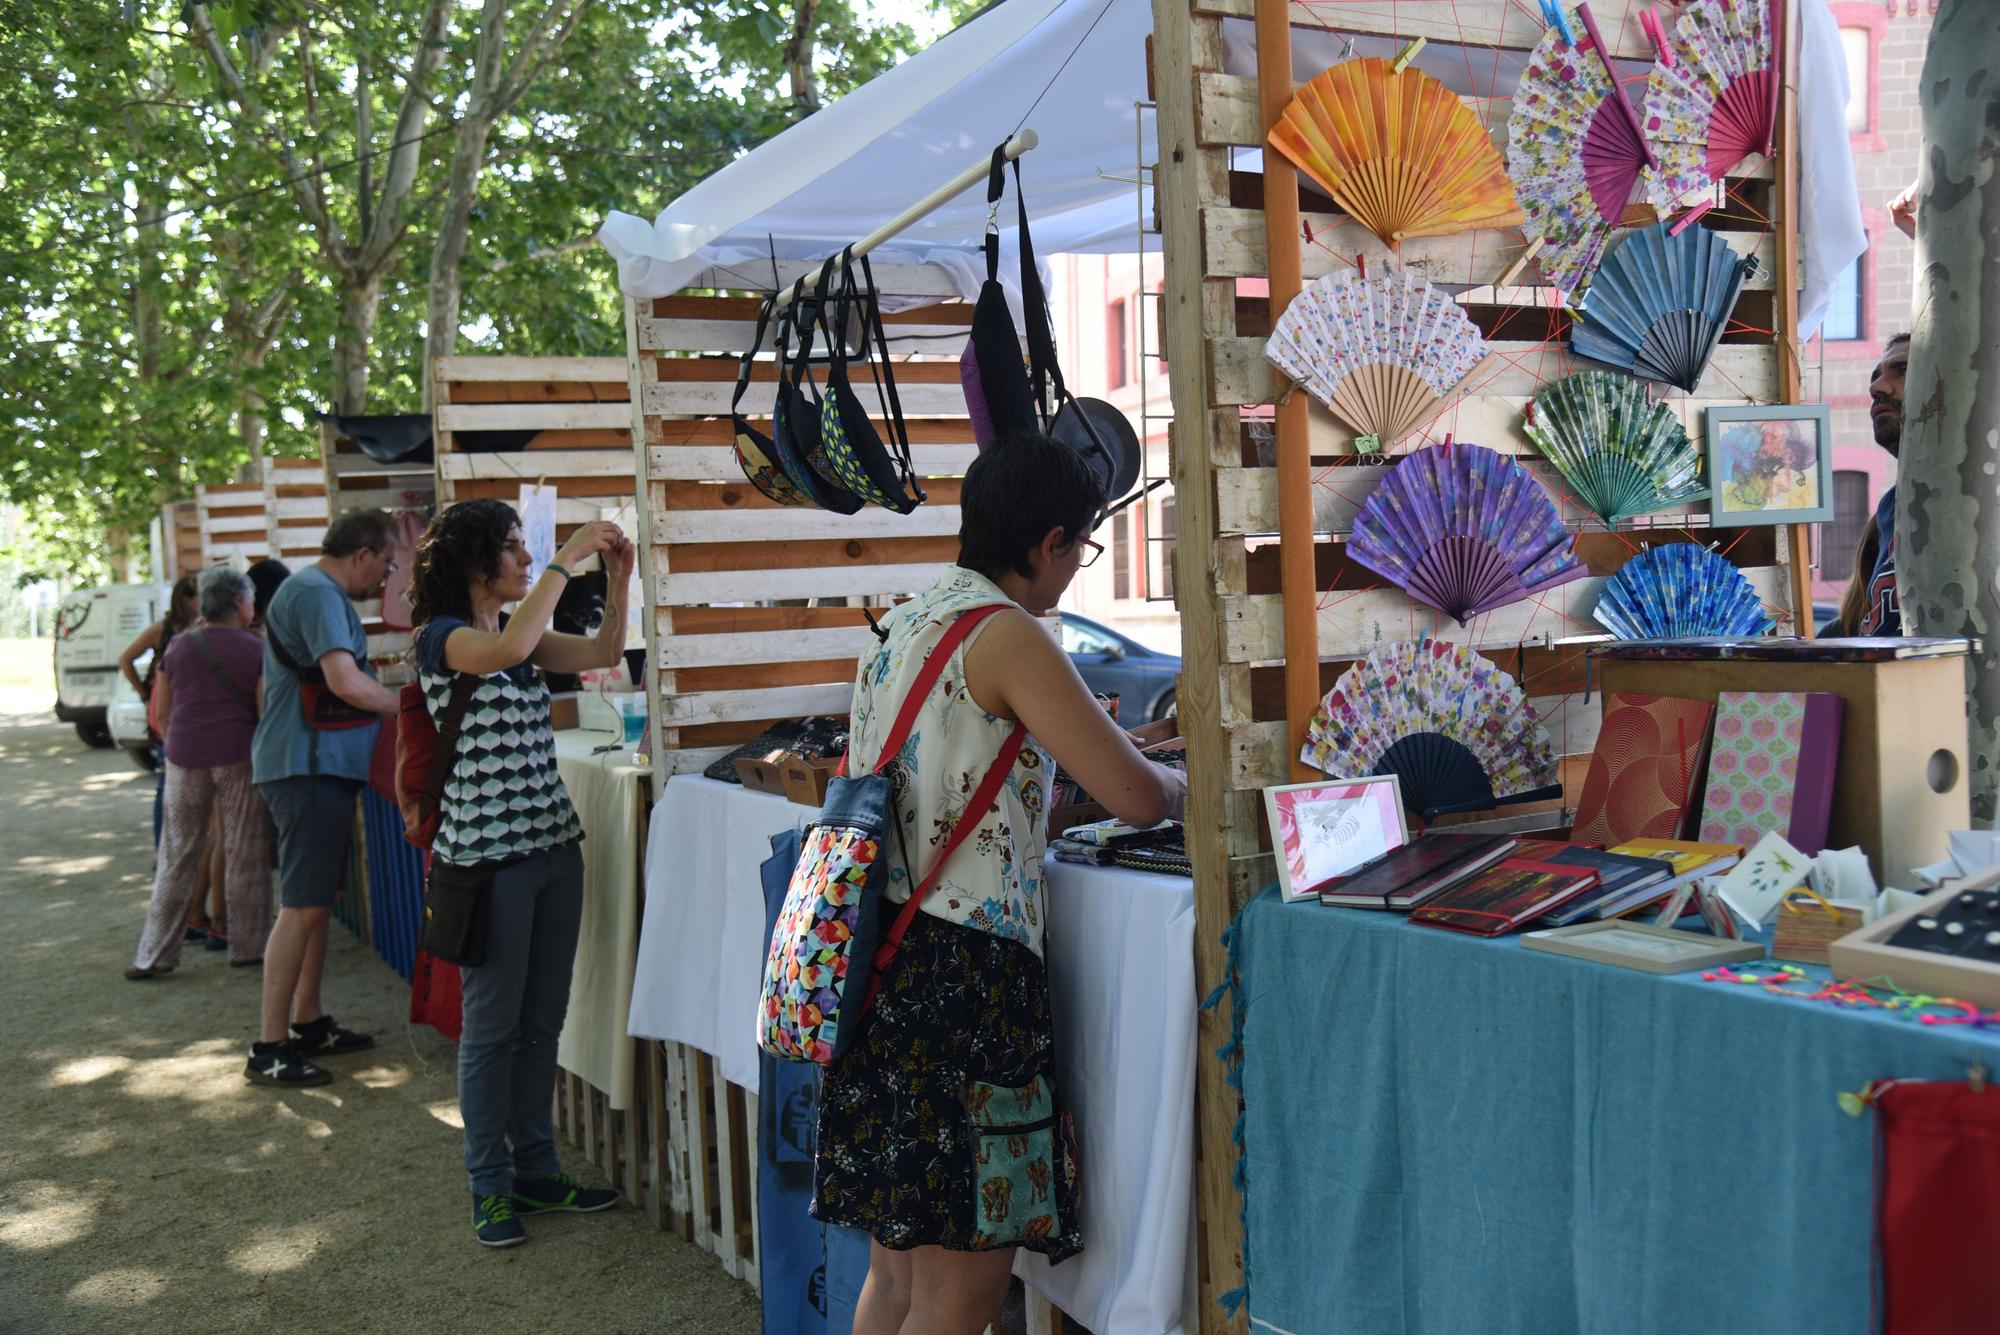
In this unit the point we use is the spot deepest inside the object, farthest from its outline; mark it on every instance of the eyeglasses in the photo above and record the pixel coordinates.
(1091, 551)
(389, 566)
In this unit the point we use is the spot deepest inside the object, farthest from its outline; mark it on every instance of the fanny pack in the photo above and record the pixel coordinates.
(853, 449)
(456, 908)
(756, 452)
(795, 421)
(323, 707)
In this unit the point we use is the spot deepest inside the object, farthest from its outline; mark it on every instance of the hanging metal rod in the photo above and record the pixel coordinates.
(917, 212)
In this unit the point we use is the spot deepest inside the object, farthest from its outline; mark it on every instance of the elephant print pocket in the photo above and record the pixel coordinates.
(1013, 1159)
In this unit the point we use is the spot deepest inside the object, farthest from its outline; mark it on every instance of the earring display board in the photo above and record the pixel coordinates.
(501, 423)
(1234, 591)
(232, 524)
(758, 608)
(295, 516)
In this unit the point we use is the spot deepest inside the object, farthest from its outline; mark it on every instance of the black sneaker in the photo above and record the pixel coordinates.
(561, 1192)
(216, 940)
(282, 1064)
(324, 1038)
(494, 1224)
(196, 931)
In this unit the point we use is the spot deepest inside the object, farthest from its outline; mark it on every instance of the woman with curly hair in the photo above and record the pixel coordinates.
(504, 808)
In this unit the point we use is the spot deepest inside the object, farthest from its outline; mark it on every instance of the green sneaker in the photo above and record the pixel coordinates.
(561, 1192)
(494, 1224)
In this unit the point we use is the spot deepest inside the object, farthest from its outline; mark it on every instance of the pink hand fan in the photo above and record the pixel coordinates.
(1718, 102)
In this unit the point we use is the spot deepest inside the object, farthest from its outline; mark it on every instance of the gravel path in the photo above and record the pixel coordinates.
(143, 1181)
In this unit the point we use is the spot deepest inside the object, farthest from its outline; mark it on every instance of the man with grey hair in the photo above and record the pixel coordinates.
(322, 711)
(207, 690)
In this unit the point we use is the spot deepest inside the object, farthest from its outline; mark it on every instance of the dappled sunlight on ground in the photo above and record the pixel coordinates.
(274, 1250)
(43, 1215)
(123, 1286)
(86, 1069)
(447, 1113)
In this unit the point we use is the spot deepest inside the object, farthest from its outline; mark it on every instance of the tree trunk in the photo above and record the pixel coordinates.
(359, 302)
(799, 46)
(1948, 493)
(468, 159)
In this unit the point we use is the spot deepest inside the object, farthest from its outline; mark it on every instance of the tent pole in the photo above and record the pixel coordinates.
(923, 208)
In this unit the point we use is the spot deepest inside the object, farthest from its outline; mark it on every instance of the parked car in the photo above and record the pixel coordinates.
(1114, 664)
(92, 627)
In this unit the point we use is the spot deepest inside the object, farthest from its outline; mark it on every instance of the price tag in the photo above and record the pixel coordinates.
(1367, 444)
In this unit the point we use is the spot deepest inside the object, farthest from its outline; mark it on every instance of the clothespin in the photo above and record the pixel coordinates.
(541, 481)
(1554, 15)
(1651, 23)
(1406, 55)
(1447, 437)
(1361, 264)
(1975, 1077)
(1682, 223)
(1533, 249)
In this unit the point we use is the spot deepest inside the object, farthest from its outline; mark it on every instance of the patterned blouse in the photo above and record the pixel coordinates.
(994, 881)
(503, 798)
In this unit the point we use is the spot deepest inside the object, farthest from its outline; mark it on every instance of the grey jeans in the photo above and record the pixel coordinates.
(514, 1007)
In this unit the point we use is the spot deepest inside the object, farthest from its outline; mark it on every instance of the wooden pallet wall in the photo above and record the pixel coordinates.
(353, 481)
(579, 409)
(180, 532)
(232, 524)
(750, 598)
(295, 515)
(1232, 698)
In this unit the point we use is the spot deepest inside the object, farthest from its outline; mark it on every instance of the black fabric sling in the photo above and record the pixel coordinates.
(229, 683)
(456, 899)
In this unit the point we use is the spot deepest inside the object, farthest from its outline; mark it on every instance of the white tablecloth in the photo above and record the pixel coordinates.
(1121, 954)
(605, 789)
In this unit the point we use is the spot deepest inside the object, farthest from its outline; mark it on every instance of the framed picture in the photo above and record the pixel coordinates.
(1327, 829)
(1638, 945)
(1770, 464)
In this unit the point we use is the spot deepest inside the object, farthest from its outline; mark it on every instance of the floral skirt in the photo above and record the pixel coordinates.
(940, 1125)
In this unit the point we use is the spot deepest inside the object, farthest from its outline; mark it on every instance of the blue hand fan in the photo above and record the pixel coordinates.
(1457, 732)
(1660, 304)
(1465, 529)
(1680, 591)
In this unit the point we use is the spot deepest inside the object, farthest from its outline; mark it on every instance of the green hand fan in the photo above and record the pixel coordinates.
(1621, 453)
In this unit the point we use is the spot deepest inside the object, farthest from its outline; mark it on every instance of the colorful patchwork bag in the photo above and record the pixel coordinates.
(829, 936)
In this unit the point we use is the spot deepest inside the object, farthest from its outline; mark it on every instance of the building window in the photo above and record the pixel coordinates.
(1856, 43)
(1167, 546)
(1862, 27)
(1844, 321)
(1853, 516)
(1116, 353)
(1121, 555)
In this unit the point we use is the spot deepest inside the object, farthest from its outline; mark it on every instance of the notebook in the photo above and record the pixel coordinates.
(1618, 874)
(1405, 876)
(1504, 897)
(1771, 768)
(1643, 769)
(1688, 859)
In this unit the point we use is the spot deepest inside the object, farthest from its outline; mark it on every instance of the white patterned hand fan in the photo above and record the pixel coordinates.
(1574, 151)
(1457, 732)
(1382, 352)
(1718, 102)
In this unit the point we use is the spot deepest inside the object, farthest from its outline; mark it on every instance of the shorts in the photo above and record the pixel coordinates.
(315, 819)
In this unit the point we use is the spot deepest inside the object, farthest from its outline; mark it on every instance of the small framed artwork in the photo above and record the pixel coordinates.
(1329, 828)
(1642, 946)
(1770, 464)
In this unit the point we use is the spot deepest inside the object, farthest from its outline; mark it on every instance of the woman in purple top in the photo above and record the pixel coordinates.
(210, 689)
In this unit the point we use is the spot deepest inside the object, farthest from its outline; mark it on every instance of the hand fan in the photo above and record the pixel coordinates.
(1718, 102)
(1680, 591)
(1382, 352)
(1399, 152)
(1465, 529)
(1660, 304)
(1621, 453)
(1455, 730)
(1574, 151)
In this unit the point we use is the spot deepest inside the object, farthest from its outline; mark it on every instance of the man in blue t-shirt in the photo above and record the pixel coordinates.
(1882, 613)
(315, 658)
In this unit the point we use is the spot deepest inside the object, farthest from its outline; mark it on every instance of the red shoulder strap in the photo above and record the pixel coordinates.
(927, 677)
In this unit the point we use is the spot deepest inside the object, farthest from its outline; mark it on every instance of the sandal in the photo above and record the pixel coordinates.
(196, 931)
(139, 975)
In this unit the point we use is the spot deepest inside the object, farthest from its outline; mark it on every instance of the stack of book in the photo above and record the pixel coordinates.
(1405, 877)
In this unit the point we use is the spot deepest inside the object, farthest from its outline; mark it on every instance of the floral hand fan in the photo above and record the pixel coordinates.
(1383, 352)
(1465, 529)
(1660, 304)
(1621, 453)
(1574, 151)
(1718, 102)
(1680, 591)
(1399, 152)
(1456, 731)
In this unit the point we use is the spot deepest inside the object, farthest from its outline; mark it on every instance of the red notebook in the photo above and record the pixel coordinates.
(1643, 770)
(1498, 901)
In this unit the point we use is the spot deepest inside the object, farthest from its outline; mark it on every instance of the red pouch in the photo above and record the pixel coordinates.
(1937, 1223)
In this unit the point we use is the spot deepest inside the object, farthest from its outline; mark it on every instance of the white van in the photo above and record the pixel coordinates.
(92, 627)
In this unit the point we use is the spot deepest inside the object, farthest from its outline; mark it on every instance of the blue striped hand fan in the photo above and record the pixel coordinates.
(1660, 304)
(1680, 591)
(1464, 529)
(1621, 453)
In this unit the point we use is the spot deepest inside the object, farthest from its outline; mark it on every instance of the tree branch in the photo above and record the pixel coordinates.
(569, 247)
(310, 82)
(406, 147)
(541, 44)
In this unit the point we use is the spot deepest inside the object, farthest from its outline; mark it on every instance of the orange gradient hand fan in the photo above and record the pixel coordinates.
(1400, 153)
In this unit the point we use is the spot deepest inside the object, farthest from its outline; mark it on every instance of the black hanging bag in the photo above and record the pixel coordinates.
(757, 453)
(795, 422)
(851, 446)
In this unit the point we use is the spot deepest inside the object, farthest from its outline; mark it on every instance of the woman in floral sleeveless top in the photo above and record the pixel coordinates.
(940, 1131)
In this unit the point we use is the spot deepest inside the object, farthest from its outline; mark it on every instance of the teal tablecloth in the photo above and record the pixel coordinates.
(1445, 1135)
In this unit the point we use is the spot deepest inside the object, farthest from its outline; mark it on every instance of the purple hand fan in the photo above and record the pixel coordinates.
(1465, 529)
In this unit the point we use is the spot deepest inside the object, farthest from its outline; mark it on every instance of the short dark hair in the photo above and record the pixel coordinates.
(1894, 339)
(1018, 489)
(463, 541)
(265, 577)
(356, 530)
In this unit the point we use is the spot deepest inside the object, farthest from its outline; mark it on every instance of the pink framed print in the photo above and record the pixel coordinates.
(1332, 828)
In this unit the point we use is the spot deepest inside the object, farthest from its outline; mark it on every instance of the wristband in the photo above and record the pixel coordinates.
(560, 570)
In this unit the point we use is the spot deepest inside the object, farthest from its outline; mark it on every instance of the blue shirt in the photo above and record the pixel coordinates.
(1884, 613)
(312, 615)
